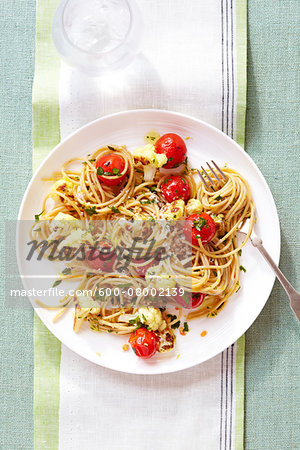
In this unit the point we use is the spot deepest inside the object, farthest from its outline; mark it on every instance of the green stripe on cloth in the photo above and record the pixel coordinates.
(45, 112)
(47, 352)
(46, 134)
(241, 58)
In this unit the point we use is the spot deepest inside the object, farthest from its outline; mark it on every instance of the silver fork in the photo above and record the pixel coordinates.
(220, 179)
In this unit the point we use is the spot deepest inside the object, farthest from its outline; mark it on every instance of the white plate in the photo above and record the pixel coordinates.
(205, 143)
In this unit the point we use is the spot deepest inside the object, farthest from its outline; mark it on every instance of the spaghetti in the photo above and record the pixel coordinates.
(79, 190)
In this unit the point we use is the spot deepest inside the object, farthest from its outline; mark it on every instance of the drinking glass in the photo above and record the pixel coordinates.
(96, 36)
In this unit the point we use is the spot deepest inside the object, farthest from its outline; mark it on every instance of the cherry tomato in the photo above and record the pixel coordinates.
(144, 343)
(200, 226)
(173, 146)
(175, 188)
(110, 168)
(190, 300)
(103, 257)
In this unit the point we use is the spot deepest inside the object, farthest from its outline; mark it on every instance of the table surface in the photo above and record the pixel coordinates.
(272, 400)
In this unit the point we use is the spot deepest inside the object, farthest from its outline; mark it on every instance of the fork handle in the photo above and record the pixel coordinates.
(291, 292)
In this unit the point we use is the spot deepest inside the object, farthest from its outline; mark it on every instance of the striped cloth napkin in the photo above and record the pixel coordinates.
(193, 60)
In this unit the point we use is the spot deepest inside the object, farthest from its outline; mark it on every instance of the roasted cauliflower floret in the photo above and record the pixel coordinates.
(63, 185)
(193, 206)
(174, 210)
(152, 317)
(149, 159)
(166, 341)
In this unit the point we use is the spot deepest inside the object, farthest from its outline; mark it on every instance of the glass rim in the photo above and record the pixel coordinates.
(80, 50)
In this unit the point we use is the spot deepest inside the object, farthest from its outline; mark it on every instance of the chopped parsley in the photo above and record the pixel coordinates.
(243, 269)
(111, 148)
(92, 160)
(172, 317)
(114, 209)
(145, 202)
(240, 252)
(212, 314)
(185, 327)
(152, 188)
(175, 325)
(219, 197)
(56, 283)
(37, 216)
(66, 271)
(91, 211)
(115, 171)
(199, 224)
(137, 322)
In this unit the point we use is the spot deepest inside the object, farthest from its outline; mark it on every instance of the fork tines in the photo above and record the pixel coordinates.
(219, 179)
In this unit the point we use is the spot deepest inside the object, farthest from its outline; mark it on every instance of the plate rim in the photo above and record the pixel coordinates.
(236, 336)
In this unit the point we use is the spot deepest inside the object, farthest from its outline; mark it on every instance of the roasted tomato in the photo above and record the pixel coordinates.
(200, 226)
(103, 257)
(144, 343)
(175, 188)
(190, 300)
(173, 146)
(110, 169)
